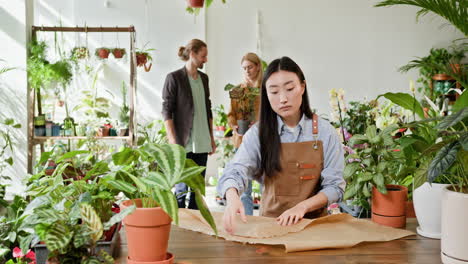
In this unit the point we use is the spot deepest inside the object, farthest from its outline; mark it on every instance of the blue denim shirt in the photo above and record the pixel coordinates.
(246, 162)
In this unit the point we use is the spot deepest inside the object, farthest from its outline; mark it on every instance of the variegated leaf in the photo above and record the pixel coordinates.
(106, 257)
(168, 203)
(191, 172)
(157, 179)
(92, 220)
(122, 186)
(58, 237)
(196, 182)
(119, 217)
(205, 212)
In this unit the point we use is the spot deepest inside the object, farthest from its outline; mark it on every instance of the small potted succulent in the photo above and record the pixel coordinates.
(102, 53)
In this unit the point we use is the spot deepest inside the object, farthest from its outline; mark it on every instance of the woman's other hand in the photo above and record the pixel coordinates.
(233, 208)
(292, 215)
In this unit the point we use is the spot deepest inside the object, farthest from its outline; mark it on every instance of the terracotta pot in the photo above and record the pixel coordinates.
(103, 53)
(454, 239)
(390, 209)
(118, 53)
(195, 3)
(220, 128)
(410, 210)
(141, 59)
(147, 231)
(169, 260)
(103, 132)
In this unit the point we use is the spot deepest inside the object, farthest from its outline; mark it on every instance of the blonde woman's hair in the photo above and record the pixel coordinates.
(253, 58)
(194, 45)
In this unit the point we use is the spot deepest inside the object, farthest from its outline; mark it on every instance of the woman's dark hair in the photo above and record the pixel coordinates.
(270, 143)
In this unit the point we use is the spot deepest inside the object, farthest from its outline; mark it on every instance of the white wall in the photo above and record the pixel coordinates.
(338, 43)
(14, 21)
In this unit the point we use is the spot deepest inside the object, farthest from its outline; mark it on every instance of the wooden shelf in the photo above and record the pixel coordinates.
(442, 77)
(78, 138)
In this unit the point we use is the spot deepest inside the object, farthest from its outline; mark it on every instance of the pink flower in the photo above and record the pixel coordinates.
(17, 253)
(31, 256)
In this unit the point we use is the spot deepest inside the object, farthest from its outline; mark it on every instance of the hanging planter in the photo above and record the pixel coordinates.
(142, 59)
(195, 3)
(102, 53)
(118, 53)
(80, 53)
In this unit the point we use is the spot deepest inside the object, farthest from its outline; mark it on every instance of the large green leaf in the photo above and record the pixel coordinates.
(351, 191)
(365, 177)
(170, 159)
(204, 210)
(371, 132)
(92, 220)
(58, 237)
(168, 203)
(461, 102)
(453, 119)
(350, 169)
(156, 179)
(357, 139)
(122, 186)
(125, 156)
(108, 259)
(443, 160)
(464, 140)
(406, 101)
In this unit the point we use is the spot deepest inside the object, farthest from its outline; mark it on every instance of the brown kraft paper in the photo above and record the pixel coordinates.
(333, 231)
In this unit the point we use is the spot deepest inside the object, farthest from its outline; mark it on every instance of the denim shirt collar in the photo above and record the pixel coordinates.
(282, 125)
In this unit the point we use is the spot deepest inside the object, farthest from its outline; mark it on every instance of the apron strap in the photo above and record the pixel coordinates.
(315, 130)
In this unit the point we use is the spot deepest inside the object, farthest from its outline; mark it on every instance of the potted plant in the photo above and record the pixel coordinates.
(451, 160)
(102, 53)
(147, 175)
(194, 6)
(246, 101)
(370, 169)
(143, 57)
(152, 132)
(118, 53)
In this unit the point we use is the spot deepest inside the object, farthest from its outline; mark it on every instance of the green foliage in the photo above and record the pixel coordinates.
(406, 101)
(124, 115)
(5, 69)
(451, 159)
(7, 128)
(225, 149)
(454, 11)
(438, 61)
(220, 118)
(152, 132)
(145, 51)
(196, 11)
(373, 160)
(155, 169)
(356, 118)
(245, 98)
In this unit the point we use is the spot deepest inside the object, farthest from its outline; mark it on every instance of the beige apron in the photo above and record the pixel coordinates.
(299, 179)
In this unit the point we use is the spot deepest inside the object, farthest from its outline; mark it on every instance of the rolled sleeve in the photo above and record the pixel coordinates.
(243, 166)
(169, 97)
(333, 184)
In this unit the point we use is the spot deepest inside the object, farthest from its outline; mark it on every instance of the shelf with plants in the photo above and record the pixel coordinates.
(95, 122)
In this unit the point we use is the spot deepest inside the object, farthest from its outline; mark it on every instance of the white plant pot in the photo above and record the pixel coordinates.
(427, 206)
(454, 240)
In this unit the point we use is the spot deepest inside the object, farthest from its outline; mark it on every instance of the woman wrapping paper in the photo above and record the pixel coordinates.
(294, 153)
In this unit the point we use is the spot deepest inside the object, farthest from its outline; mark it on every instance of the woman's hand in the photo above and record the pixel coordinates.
(233, 208)
(292, 215)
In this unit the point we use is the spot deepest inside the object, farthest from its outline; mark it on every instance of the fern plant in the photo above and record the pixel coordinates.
(454, 11)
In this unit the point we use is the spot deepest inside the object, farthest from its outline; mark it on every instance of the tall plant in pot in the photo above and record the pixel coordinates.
(147, 175)
(246, 100)
(371, 169)
(451, 160)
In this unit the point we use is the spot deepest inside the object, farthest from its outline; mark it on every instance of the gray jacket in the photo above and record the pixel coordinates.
(178, 103)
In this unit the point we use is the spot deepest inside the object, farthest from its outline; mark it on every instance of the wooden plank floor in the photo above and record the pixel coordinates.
(193, 247)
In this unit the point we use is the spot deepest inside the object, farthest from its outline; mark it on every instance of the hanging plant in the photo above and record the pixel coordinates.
(143, 57)
(118, 53)
(194, 6)
(80, 53)
(102, 53)
(195, 3)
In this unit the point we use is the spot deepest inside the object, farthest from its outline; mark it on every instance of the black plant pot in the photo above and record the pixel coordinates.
(242, 126)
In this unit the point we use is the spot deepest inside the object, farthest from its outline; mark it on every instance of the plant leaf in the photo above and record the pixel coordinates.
(443, 160)
(406, 101)
(168, 203)
(453, 119)
(58, 237)
(119, 217)
(92, 220)
(350, 169)
(204, 210)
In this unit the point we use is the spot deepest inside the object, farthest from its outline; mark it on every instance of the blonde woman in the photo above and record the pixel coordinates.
(245, 97)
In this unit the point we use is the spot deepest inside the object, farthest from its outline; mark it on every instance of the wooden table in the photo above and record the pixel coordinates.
(193, 247)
